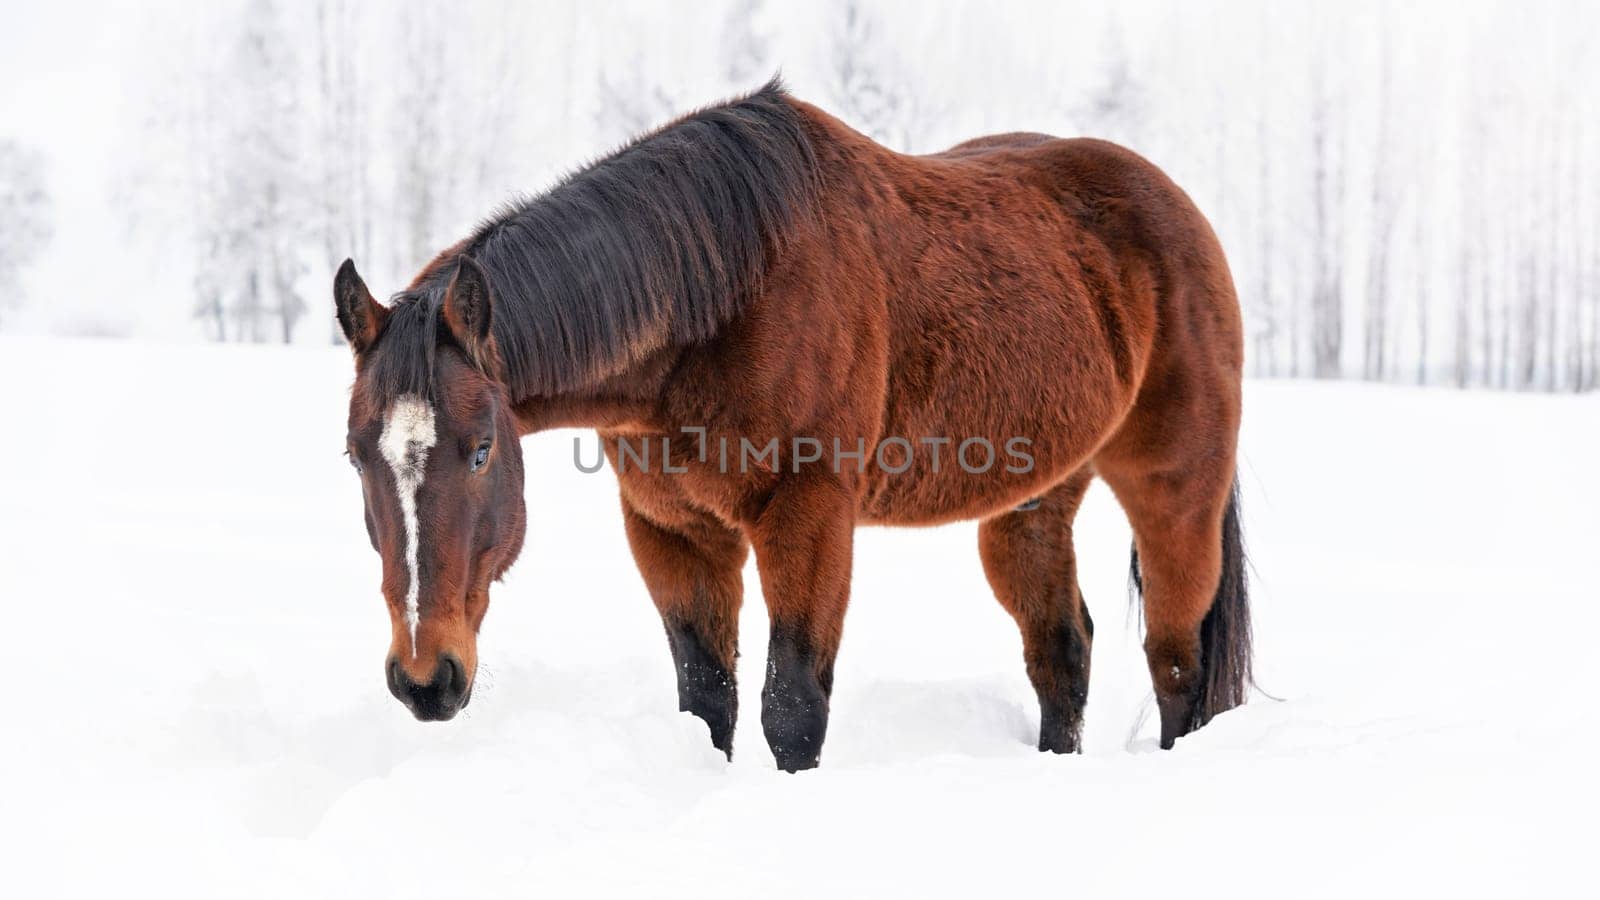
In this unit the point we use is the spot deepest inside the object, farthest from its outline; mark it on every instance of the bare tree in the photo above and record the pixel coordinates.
(455, 99)
(344, 192)
(1592, 377)
(214, 227)
(1327, 196)
(423, 176)
(1420, 281)
(1384, 210)
(1266, 306)
(1589, 231)
(1574, 190)
(1466, 280)
(26, 216)
(263, 179)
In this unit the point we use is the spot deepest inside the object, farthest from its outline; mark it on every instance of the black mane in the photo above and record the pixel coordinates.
(660, 243)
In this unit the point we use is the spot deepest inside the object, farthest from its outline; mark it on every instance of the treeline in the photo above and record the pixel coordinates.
(1406, 194)
(27, 219)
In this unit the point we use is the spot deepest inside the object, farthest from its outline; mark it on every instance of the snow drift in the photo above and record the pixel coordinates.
(195, 640)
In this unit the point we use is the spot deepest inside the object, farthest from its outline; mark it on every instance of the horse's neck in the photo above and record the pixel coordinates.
(627, 400)
(600, 412)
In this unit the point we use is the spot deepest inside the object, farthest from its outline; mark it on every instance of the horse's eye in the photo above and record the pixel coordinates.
(356, 463)
(481, 456)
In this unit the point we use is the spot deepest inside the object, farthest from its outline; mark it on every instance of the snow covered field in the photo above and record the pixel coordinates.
(195, 645)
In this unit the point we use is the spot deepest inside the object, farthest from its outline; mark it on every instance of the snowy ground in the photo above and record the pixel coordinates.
(196, 643)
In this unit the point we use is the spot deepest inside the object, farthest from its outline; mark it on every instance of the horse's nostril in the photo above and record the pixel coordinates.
(457, 674)
(437, 699)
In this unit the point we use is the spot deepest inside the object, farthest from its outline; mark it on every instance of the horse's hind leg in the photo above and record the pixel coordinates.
(692, 566)
(1196, 621)
(1029, 560)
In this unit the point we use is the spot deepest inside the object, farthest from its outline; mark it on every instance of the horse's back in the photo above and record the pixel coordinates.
(1013, 286)
(1011, 140)
(1170, 260)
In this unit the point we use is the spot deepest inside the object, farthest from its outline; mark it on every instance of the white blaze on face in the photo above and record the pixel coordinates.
(408, 434)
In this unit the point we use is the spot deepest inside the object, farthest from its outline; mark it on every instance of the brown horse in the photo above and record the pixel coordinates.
(782, 330)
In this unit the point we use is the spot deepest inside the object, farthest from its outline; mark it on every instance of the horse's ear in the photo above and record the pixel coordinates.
(468, 313)
(360, 316)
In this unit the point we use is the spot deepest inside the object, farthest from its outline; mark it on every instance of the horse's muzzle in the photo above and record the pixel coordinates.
(446, 694)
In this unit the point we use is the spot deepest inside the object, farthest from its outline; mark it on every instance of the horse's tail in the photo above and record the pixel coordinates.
(1225, 652)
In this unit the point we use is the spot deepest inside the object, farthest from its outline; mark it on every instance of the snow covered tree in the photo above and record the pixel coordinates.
(264, 225)
(1117, 110)
(1327, 188)
(630, 104)
(456, 93)
(1384, 211)
(747, 51)
(1392, 205)
(343, 200)
(26, 220)
(866, 79)
(418, 132)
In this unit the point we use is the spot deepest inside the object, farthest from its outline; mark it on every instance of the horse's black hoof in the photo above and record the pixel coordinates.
(718, 721)
(1060, 730)
(1058, 743)
(796, 743)
(794, 705)
(1177, 714)
(721, 728)
(705, 687)
(799, 762)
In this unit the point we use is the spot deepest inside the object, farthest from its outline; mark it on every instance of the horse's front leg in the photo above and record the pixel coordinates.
(692, 566)
(803, 541)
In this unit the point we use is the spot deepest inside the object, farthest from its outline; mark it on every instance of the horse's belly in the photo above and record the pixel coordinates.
(987, 441)
(935, 498)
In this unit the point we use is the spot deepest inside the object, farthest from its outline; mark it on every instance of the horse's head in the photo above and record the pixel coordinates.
(435, 444)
